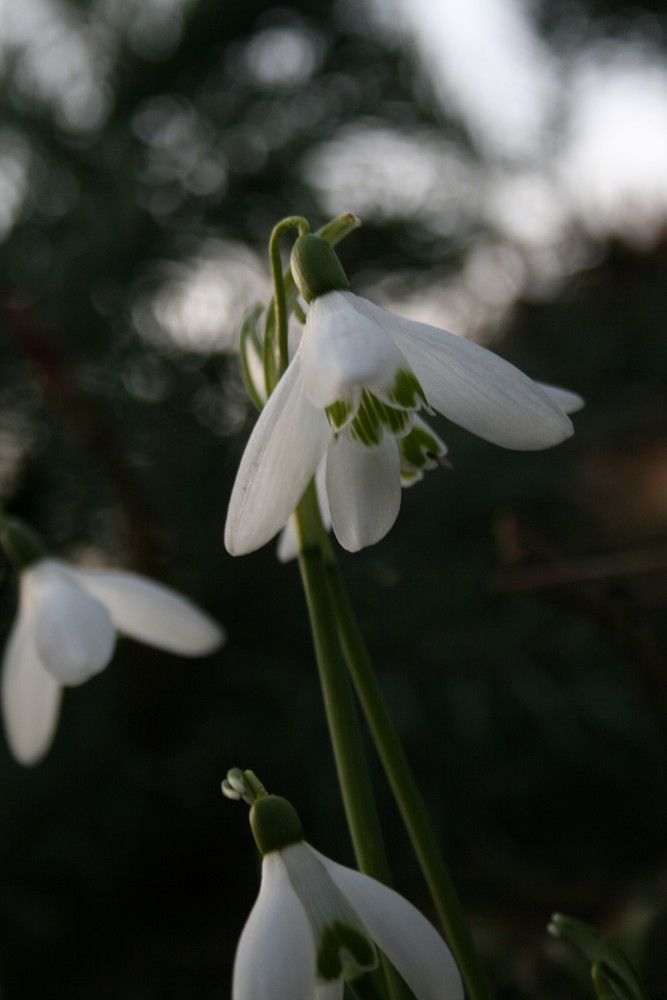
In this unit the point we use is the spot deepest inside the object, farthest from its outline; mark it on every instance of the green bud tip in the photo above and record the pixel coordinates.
(22, 546)
(316, 268)
(275, 824)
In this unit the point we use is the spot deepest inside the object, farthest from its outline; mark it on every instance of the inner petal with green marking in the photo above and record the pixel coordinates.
(419, 450)
(368, 413)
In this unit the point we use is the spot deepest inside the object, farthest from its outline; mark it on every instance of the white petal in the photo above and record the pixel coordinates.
(280, 458)
(406, 937)
(30, 696)
(288, 547)
(568, 401)
(152, 613)
(74, 634)
(343, 350)
(364, 490)
(275, 957)
(474, 387)
(330, 991)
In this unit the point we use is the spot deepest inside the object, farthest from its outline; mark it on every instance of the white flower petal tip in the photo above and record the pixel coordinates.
(569, 402)
(317, 923)
(31, 698)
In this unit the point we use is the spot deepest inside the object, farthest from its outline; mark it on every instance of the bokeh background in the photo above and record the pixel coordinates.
(508, 160)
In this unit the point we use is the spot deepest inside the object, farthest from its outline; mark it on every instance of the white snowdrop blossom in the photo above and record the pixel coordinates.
(352, 393)
(317, 923)
(65, 633)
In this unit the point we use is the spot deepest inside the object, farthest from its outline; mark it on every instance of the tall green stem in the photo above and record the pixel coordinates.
(353, 777)
(338, 698)
(406, 793)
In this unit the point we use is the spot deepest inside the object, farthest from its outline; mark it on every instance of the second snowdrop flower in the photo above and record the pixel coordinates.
(65, 633)
(317, 923)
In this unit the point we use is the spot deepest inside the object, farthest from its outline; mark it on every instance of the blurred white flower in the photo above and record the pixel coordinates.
(65, 632)
(316, 923)
(352, 392)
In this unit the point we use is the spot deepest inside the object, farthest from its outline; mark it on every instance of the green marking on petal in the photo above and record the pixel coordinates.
(339, 414)
(343, 951)
(366, 427)
(406, 391)
(396, 421)
(418, 448)
(410, 476)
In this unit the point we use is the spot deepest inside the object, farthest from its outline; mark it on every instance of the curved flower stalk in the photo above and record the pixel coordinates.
(317, 923)
(353, 392)
(65, 632)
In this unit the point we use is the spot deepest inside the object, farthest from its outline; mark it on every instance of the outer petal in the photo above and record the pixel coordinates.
(151, 612)
(364, 490)
(409, 941)
(74, 634)
(275, 958)
(30, 696)
(280, 458)
(474, 387)
(343, 944)
(343, 350)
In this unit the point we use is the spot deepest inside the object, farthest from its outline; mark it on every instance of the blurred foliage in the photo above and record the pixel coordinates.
(516, 612)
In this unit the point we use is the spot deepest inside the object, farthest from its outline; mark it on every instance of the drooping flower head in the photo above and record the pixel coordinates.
(355, 392)
(65, 633)
(316, 923)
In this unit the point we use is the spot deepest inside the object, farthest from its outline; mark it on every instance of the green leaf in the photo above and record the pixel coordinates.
(613, 974)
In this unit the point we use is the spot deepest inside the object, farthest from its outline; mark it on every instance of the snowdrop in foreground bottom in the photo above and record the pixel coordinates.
(353, 392)
(65, 632)
(317, 923)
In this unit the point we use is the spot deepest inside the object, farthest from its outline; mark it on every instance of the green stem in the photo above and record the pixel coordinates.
(249, 336)
(353, 776)
(275, 354)
(338, 698)
(406, 793)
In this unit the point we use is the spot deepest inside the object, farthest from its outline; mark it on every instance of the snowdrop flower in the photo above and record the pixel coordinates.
(317, 923)
(65, 633)
(353, 392)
